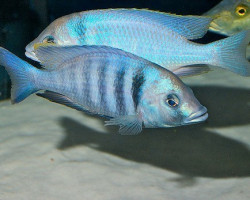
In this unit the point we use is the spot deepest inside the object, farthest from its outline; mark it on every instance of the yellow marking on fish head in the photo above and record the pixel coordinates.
(37, 45)
(47, 41)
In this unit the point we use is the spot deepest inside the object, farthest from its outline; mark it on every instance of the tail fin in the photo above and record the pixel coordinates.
(231, 53)
(20, 74)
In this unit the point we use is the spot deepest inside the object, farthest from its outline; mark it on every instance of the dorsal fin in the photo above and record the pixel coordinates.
(51, 57)
(188, 26)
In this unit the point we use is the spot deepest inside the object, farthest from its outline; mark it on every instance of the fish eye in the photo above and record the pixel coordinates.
(49, 39)
(172, 100)
(241, 10)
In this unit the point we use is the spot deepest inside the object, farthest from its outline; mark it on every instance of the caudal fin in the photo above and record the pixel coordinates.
(20, 74)
(231, 53)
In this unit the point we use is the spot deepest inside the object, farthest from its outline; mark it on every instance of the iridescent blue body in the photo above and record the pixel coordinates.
(158, 37)
(107, 82)
(101, 82)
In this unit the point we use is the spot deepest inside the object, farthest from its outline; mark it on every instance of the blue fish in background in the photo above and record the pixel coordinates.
(158, 37)
(130, 91)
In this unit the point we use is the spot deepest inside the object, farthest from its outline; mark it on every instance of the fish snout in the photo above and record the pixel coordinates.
(31, 55)
(29, 52)
(197, 117)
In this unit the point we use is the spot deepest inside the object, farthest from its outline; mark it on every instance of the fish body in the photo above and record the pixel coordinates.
(158, 37)
(130, 91)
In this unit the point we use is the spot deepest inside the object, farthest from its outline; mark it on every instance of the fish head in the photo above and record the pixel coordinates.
(168, 103)
(230, 17)
(59, 32)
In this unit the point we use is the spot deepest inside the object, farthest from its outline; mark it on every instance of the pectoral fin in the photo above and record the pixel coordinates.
(129, 125)
(192, 70)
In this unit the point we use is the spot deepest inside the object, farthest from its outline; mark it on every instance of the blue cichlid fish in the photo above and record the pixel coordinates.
(158, 37)
(108, 82)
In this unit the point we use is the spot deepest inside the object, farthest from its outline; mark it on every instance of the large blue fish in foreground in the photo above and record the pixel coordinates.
(132, 92)
(158, 37)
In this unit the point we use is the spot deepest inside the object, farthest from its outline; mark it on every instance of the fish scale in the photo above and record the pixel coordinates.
(78, 82)
(86, 84)
(100, 30)
(129, 103)
(119, 91)
(94, 89)
(136, 36)
(102, 89)
(91, 85)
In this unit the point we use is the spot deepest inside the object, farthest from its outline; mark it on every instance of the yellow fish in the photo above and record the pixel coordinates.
(230, 17)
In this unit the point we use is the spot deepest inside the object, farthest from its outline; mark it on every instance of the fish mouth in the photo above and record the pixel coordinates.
(218, 27)
(197, 117)
(214, 26)
(31, 55)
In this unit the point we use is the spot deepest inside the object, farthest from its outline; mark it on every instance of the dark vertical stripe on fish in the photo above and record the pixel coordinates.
(119, 93)
(73, 76)
(87, 95)
(138, 81)
(80, 30)
(102, 89)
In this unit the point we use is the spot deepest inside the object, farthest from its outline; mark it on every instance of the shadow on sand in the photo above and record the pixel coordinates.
(191, 151)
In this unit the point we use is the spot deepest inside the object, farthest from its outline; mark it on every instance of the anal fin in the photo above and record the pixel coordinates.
(129, 125)
(61, 99)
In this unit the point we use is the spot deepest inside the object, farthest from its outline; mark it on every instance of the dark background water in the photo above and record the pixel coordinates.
(22, 20)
